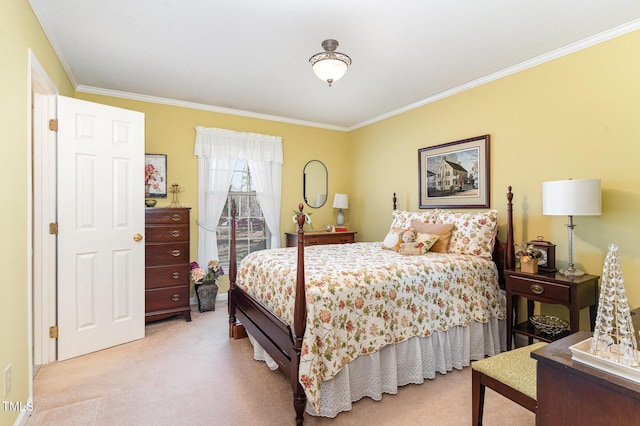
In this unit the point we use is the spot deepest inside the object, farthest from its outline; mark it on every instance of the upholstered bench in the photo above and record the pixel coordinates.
(511, 374)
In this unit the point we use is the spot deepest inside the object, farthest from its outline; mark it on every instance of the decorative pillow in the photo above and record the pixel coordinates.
(473, 233)
(428, 240)
(421, 245)
(393, 239)
(402, 218)
(442, 230)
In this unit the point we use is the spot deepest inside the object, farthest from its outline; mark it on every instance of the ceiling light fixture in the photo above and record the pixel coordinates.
(330, 65)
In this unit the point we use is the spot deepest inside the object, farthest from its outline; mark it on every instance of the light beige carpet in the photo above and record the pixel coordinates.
(190, 373)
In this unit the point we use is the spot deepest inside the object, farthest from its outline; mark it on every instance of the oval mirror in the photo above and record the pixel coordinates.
(314, 184)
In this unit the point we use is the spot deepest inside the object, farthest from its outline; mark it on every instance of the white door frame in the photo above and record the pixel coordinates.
(42, 304)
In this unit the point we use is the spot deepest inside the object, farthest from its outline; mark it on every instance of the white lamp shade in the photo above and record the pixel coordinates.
(579, 197)
(341, 201)
(330, 69)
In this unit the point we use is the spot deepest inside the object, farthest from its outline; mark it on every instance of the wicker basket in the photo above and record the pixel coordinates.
(549, 324)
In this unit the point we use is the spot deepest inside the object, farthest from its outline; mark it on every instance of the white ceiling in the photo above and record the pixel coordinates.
(251, 57)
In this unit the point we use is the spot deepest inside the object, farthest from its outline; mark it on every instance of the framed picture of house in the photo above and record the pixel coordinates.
(455, 174)
(155, 175)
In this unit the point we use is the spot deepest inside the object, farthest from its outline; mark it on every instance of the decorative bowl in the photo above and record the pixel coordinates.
(549, 324)
(150, 203)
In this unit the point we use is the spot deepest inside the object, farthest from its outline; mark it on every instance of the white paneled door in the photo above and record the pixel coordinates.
(100, 226)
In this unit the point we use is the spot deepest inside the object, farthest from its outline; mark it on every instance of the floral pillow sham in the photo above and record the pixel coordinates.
(473, 233)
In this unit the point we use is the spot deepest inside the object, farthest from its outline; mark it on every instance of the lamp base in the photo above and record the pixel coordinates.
(571, 272)
(340, 218)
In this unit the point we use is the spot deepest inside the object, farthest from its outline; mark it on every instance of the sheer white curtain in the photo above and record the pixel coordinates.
(217, 151)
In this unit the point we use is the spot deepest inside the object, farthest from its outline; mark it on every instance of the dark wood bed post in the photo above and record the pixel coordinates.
(510, 262)
(395, 201)
(299, 324)
(236, 330)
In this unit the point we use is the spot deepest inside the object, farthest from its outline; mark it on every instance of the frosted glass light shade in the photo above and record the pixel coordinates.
(341, 201)
(579, 197)
(330, 70)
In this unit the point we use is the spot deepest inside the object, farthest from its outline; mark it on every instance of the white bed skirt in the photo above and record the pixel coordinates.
(408, 362)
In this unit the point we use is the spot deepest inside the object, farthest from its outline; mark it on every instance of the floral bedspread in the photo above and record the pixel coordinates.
(361, 298)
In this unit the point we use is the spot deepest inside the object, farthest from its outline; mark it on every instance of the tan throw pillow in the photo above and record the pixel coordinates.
(442, 230)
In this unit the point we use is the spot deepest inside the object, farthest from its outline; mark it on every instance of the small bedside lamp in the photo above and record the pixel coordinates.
(340, 201)
(580, 197)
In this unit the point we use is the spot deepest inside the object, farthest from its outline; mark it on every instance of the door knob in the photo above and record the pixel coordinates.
(137, 237)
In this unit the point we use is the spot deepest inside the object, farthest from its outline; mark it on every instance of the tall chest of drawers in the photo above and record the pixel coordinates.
(166, 278)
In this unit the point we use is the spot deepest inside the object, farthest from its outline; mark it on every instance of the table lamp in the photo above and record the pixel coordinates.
(579, 197)
(340, 201)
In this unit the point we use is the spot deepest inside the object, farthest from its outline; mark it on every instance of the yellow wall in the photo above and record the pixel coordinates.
(19, 31)
(573, 117)
(171, 130)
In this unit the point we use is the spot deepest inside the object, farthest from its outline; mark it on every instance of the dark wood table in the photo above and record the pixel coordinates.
(575, 293)
(572, 393)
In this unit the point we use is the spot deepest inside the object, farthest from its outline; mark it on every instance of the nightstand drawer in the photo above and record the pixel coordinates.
(533, 289)
(321, 238)
(336, 238)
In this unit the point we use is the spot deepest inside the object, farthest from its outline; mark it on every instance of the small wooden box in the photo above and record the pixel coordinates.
(530, 267)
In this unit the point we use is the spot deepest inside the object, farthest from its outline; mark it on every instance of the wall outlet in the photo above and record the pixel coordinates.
(7, 380)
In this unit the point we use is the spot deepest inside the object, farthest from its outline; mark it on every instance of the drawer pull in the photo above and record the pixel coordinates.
(175, 253)
(175, 297)
(176, 217)
(175, 233)
(175, 275)
(537, 289)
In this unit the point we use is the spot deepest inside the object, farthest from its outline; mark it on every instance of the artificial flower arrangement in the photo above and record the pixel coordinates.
(526, 253)
(198, 275)
(307, 218)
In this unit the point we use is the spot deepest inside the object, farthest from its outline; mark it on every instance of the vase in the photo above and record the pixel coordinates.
(530, 267)
(206, 294)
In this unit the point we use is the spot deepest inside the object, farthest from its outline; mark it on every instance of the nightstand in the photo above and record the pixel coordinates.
(575, 293)
(321, 238)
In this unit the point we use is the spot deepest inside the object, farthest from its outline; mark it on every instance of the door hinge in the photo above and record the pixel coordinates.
(53, 332)
(53, 124)
(53, 228)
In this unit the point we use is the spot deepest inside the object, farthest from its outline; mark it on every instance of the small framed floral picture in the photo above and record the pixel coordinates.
(155, 176)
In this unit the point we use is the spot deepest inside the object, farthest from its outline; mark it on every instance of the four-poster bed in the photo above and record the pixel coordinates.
(400, 299)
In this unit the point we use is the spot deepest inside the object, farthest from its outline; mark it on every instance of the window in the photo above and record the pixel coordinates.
(252, 233)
